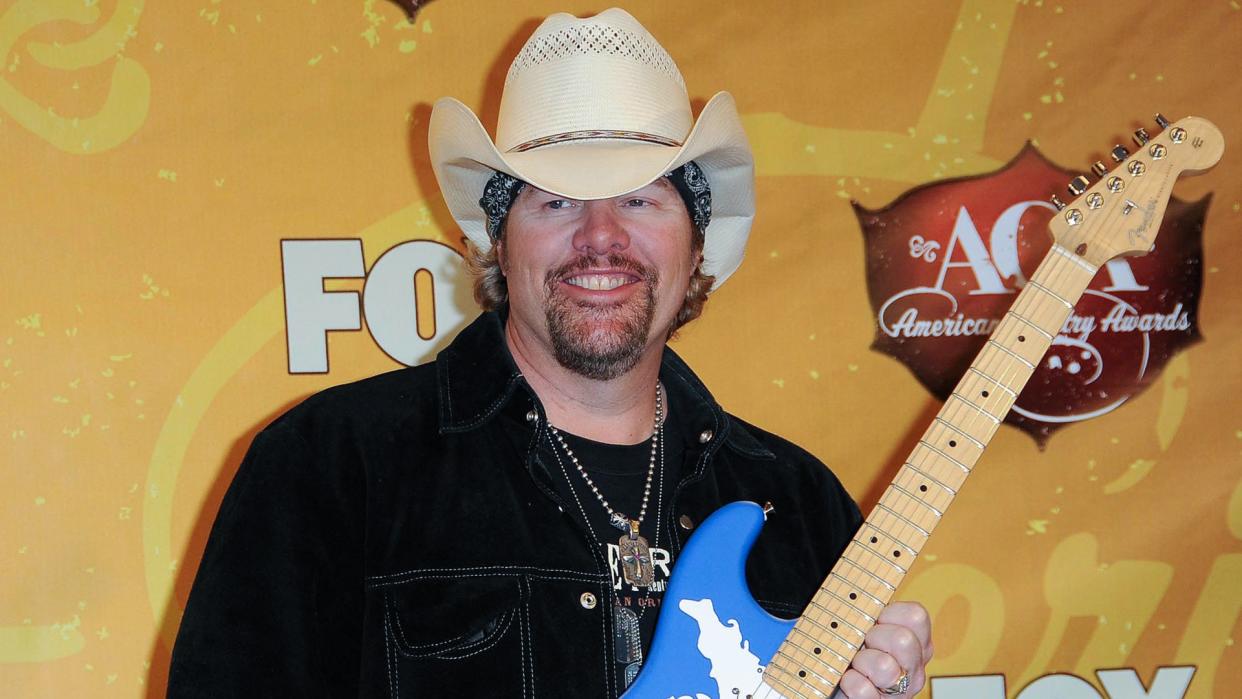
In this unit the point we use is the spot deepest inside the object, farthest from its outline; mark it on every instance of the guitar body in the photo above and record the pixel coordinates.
(712, 637)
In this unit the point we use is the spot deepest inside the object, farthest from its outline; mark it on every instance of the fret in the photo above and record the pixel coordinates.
(828, 629)
(967, 419)
(1015, 337)
(832, 593)
(928, 460)
(922, 501)
(1016, 371)
(927, 476)
(938, 498)
(887, 558)
(977, 408)
(885, 536)
(857, 566)
(770, 676)
(921, 530)
(824, 646)
(993, 381)
(984, 395)
(912, 507)
(790, 691)
(812, 664)
(1032, 283)
(1030, 324)
(864, 581)
(888, 573)
(959, 431)
(895, 527)
(802, 671)
(827, 647)
(835, 616)
(1010, 352)
(946, 457)
(1087, 266)
(881, 557)
(846, 583)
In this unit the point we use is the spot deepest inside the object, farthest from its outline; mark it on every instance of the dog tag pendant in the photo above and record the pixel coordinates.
(635, 557)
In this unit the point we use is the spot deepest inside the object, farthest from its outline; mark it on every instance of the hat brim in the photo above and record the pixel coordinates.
(464, 158)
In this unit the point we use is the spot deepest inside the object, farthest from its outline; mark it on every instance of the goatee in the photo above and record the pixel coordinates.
(600, 342)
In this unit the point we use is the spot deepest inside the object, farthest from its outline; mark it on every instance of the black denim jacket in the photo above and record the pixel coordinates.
(400, 537)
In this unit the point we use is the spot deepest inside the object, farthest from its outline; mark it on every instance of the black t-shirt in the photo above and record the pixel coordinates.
(619, 471)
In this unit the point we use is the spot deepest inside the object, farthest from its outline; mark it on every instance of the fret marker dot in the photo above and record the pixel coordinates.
(853, 595)
(802, 673)
(817, 651)
(896, 554)
(1022, 338)
(874, 540)
(952, 442)
(833, 624)
(985, 394)
(923, 487)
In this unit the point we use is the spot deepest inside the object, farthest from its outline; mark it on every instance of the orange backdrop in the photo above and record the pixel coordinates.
(155, 155)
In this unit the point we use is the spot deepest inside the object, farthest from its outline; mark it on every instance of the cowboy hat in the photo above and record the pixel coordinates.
(595, 108)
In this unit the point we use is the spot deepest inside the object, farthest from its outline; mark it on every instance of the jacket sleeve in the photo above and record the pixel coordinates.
(276, 607)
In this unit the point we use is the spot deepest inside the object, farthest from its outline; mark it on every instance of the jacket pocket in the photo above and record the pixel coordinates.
(450, 619)
(461, 635)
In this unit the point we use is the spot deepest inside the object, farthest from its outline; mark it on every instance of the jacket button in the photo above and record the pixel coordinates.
(685, 522)
(587, 600)
(705, 436)
(532, 415)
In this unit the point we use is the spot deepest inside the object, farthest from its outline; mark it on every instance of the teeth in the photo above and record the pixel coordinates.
(597, 282)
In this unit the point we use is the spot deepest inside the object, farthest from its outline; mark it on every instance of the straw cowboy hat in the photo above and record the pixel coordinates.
(594, 108)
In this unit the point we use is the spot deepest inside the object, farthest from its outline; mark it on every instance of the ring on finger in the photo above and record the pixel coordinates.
(900, 687)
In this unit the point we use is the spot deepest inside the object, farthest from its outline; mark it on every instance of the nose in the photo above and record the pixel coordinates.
(602, 231)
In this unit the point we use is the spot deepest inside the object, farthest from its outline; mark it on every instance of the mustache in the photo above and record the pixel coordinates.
(583, 263)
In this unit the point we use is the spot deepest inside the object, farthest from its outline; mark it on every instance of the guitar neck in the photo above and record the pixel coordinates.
(830, 632)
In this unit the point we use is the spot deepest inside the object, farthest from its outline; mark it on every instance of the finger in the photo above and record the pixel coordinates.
(855, 685)
(913, 616)
(900, 644)
(879, 668)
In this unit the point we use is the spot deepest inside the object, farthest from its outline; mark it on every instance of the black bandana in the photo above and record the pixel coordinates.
(692, 185)
(502, 190)
(499, 194)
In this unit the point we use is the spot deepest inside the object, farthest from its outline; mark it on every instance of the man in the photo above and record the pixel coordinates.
(503, 522)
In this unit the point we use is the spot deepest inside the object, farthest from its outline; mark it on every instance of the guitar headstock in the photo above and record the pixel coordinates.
(1120, 214)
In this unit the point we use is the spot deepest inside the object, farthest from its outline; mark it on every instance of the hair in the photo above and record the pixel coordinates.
(491, 290)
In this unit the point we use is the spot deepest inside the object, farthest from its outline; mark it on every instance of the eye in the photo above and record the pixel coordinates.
(558, 204)
(637, 203)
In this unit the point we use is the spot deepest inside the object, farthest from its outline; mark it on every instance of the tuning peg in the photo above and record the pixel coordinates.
(1161, 121)
(1120, 153)
(1141, 137)
(1100, 169)
(1078, 185)
(1056, 201)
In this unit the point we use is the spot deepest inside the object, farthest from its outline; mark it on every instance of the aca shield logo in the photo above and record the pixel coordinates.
(945, 261)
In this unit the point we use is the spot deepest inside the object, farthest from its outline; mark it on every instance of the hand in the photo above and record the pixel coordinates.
(900, 641)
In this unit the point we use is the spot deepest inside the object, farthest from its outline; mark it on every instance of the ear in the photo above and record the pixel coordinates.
(501, 258)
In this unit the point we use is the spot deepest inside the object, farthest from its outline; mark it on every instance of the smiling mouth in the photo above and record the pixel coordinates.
(600, 282)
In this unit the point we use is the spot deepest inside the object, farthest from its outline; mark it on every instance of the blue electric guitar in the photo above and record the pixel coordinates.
(713, 640)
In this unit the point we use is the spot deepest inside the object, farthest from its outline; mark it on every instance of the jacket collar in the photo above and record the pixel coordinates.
(477, 378)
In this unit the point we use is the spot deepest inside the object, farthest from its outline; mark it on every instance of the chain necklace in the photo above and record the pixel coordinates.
(635, 553)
